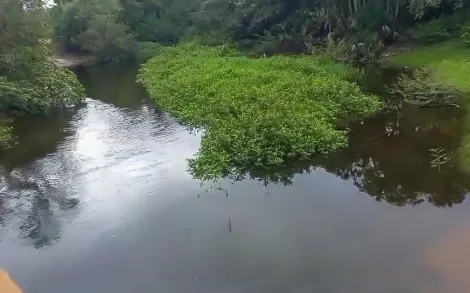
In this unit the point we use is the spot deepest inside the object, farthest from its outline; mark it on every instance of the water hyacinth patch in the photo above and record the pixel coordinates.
(255, 113)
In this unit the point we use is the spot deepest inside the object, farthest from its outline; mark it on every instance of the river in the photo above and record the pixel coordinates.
(99, 199)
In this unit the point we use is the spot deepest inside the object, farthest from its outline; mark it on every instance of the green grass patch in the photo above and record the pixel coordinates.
(450, 60)
(255, 113)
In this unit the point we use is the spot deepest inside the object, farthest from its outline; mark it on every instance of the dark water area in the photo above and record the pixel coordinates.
(98, 199)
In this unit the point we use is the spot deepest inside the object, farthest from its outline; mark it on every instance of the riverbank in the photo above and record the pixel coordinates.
(450, 60)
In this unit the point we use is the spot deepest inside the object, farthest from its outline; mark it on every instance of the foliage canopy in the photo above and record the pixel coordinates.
(261, 26)
(255, 113)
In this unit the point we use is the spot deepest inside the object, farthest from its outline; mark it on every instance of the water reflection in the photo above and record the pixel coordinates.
(35, 204)
(448, 259)
(36, 137)
(116, 85)
(389, 158)
(76, 160)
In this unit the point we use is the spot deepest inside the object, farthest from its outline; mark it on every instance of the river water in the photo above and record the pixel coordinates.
(99, 200)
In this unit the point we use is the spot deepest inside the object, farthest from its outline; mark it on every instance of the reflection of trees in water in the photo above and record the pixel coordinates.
(389, 159)
(34, 204)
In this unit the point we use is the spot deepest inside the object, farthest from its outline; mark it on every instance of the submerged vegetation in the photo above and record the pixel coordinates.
(423, 90)
(255, 113)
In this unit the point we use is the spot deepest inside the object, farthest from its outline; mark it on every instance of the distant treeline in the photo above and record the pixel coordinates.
(117, 29)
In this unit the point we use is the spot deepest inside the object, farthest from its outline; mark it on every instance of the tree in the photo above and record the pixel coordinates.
(93, 27)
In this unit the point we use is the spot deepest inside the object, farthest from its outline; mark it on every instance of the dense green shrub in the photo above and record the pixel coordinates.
(255, 113)
(45, 87)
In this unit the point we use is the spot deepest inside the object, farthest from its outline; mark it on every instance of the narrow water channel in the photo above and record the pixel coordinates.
(99, 200)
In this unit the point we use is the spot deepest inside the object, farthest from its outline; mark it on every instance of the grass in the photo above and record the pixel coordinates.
(450, 60)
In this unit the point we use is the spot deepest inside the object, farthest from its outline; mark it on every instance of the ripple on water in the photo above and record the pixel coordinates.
(105, 151)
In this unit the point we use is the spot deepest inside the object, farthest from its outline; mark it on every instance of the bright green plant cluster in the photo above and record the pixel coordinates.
(255, 113)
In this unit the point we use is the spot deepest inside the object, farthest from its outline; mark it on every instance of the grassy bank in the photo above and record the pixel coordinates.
(450, 60)
(255, 113)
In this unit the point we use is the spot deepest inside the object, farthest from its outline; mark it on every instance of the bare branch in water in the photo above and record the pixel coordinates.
(423, 90)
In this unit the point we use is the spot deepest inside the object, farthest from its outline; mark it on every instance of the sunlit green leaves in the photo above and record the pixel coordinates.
(255, 113)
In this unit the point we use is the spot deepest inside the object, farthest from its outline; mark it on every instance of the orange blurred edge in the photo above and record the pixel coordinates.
(7, 285)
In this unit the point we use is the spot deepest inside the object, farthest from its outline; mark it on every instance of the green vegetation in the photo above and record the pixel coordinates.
(255, 113)
(239, 102)
(29, 82)
(92, 27)
(465, 36)
(450, 61)
(110, 29)
(438, 30)
(423, 90)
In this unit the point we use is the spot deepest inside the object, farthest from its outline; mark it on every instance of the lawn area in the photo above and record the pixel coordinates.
(451, 61)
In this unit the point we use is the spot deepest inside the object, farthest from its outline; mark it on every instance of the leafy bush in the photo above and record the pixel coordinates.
(42, 88)
(255, 113)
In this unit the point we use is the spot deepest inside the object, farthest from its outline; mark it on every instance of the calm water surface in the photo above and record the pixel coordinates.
(99, 200)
